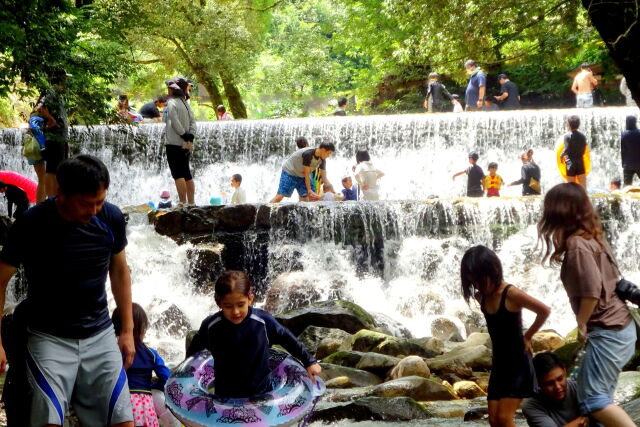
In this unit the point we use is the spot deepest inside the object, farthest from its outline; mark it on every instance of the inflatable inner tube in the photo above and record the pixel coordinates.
(27, 185)
(562, 166)
(292, 397)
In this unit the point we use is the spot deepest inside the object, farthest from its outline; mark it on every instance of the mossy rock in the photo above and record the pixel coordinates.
(328, 314)
(373, 409)
(366, 340)
(344, 358)
(568, 353)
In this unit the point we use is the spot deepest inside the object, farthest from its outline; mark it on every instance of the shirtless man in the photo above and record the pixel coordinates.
(583, 85)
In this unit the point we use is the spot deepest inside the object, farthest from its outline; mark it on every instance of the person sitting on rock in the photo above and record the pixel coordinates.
(238, 337)
(512, 377)
(556, 403)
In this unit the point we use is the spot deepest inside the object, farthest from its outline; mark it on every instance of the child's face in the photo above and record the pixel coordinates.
(493, 171)
(472, 160)
(347, 183)
(235, 306)
(234, 183)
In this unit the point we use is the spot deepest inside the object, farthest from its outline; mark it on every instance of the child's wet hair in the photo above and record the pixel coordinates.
(140, 322)
(493, 165)
(479, 265)
(345, 179)
(232, 281)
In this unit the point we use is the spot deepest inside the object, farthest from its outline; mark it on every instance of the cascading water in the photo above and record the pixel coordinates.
(398, 258)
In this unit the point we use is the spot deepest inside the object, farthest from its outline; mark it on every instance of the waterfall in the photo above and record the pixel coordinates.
(399, 257)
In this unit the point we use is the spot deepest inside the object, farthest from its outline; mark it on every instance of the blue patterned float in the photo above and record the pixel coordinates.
(292, 397)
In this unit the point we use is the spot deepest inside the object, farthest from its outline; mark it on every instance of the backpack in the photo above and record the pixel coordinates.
(31, 148)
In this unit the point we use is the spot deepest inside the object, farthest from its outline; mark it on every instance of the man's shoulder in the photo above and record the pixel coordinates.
(533, 403)
(111, 213)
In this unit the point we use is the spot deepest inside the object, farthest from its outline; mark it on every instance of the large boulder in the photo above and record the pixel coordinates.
(430, 344)
(373, 408)
(325, 341)
(546, 341)
(379, 364)
(205, 265)
(344, 358)
(476, 357)
(291, 291)
(330, 314)
(365, 340)
(168, 223)
(410, 366)
(357, 377)
(445, 329)
(390, 326)
(200, 219)
(568, 353)
(236, 218)
(172, 321)
(468, 390)
(417, 388)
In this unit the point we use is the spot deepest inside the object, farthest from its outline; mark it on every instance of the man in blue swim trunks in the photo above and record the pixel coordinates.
(296, 171)
(72, 357)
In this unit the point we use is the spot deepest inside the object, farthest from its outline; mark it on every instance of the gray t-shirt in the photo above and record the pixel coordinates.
(542, 413)
(295, 164)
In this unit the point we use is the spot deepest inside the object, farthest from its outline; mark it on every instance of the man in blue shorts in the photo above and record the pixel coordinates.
(296, 171)
(67, 245)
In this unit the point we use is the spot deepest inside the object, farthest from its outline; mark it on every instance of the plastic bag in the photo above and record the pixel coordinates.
(31, 147)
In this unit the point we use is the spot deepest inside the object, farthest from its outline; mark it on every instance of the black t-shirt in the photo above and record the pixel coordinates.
(340, 112)
(574, 145)
(66, 266)
(512, 102)
(435, 90)
(474, 179)
(149, 110)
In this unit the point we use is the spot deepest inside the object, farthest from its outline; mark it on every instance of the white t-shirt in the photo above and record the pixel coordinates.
(239, 196)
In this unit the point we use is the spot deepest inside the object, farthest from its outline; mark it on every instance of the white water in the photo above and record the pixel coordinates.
(418, 153)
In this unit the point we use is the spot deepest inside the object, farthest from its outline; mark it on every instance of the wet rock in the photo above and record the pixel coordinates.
(346, 394)
(200, 219)
(628, 386)
(410, 366)
(546, 341)
(633, 409)
(568, 353)
(325, 341)
(365, 340)
(472, 357)
(144, 208)
(482, 379)
(430, 344)
(444, 329)
(379, 364)
(389, 326)
(171, 321)
(477, 414)
(417, 388)
(291, 291)
(344, 358)
(357, 377)
(373, 408)
(473, 321)
(330, 314)
(339, 382)
(205, 265)
(452, 408)
(236, 218)
(169, 223)
(454, 370)
(468, 390)
(477, 338)
(263, 216)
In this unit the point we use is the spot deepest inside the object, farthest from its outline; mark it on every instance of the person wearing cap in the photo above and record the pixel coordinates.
(165, 200)
(51, 108)
(435, 90)
(583, 85)
(476, 87)
(475, 175)
(179, 135)
(509, 94)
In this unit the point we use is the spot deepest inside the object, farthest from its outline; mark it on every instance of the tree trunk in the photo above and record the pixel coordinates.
(212, 88)
(237, 107)
(618, 25)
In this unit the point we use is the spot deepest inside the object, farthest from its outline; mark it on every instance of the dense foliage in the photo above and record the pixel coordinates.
(268, 58)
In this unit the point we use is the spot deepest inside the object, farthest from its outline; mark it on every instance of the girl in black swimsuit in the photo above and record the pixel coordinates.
(512, 376)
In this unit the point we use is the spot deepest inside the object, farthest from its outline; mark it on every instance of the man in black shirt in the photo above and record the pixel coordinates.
(150, 110)
(15, 196)
(509, 94)
(72, 354)
(342, 107)
(435, 90)
(575, 145)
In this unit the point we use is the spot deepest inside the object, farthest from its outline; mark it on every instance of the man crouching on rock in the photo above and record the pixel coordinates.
(67, 246)
(556, 404)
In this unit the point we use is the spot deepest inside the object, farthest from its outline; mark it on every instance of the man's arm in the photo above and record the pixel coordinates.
(574, 86)
(481, 96)
(307, 179)
(6, 273)
(121, 287)
(594, 81)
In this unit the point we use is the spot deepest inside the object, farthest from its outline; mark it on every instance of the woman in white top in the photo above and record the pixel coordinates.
(367, 176)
